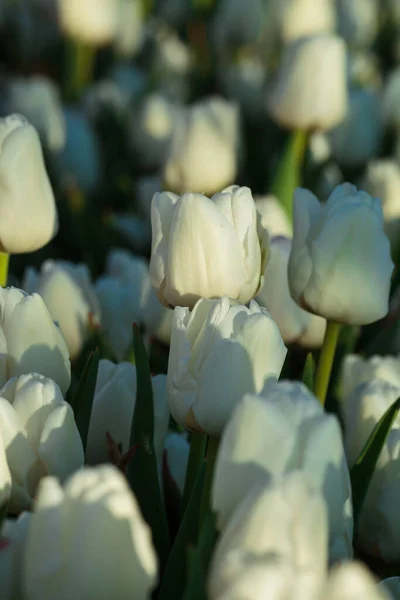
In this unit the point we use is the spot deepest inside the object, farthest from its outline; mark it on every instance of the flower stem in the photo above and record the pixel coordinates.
(80, 67)
(4, 260)
(212, 450)
(326, 361)
(198, 442)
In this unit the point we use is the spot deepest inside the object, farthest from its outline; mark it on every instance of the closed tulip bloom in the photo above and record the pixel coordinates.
(282, 527)
(113, 407)
(314, 335)
(206, 247)
(30, 340)
(340, 266)
(357, 370)
(12, 538)
(130, 27)
(39, 434)
(272, 216)
(300, 18)
(28, 214)
(88, 540)
(203, 156)
(358, 22)
(92, 22)
(287, 416)
(218, 352)
(292, 320)
(382, 179)
(71, 300)
(352, 581)
(311, 89)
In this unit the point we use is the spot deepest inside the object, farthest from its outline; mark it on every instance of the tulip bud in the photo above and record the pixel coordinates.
(287, 416)
(92, 22)
(177, 454)
(352, 581)
(382, 180)
(88, 540)
(301, 18)
(294, 323)
(70, 298)
(39, 434)
(358, 22)
(306, 94)
(13, 536)
(28, 211)
(130, 27)
(357, 370)
(203, 155)
(281, 527)
(222, 255)
(113, 407)
(273, 218)
(31, 342)
(334, 245)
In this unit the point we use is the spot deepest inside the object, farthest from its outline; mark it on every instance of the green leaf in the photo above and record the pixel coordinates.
(199, 559)
(309, 372)
(173, 583)
(363, 469)
(289, 173)
(142, 472)
(82, 402)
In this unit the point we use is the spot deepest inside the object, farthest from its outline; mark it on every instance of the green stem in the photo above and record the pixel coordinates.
(326, 361)
(198, 442)
(212, 450)
(4, 260)
(80, 68)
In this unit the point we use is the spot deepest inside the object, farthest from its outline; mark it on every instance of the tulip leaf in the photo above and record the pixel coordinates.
(82, 401)
(173, 583)
(363, 469)
(199, 559)
(309, 372)
(289, 173)
(142, 471)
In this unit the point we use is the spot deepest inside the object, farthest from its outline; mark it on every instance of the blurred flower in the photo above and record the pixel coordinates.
(113, 408)
(145, 188)
(300, 18)
(13, 536)
(274, 545)
(306, 94)
(206, 248)
(378, 529)
(38, 99)
(358, 138)
(172, 63)
(92, 22)
(364, 70)
(70, 298)
(27, 208)
(357, 370)
(273, 217)
(391, 99)
(382, 180)
(352, 581)
(39, 434)
(358, 21)
(244, 81)
(236, 24)
(157, 318)
(203, 156)
(293, 321)
(177, 454)
(30, 340)
(130, 27)
(287, 416)
(218, 352)
(337, 248)
(392, 586)
(88, 540)
(5, 476)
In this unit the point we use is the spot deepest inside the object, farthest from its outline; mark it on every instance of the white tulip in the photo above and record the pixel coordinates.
(281, 527)
(12, 541)
(222, 255)
(357, 370)
(352, 581)
(92, 22)
(130, 27)
(392, 586)
(39, 434)
(88, 540)
(29, 339)
(289, 418)
(28, 214)
(300, 18)
(273, 217)
(295, 324)
(157, 318)
(340, 265)
(358, 21)
(113, 407)
(308, 94)
(69, 295)
(382, 180)
(203, 156)
(177, 449)
(219, 351)
(38, 99)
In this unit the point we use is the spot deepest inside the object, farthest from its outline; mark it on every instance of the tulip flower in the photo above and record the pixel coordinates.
(392, 586)
(357, 370)
(12, 543)
(272, 216)
(281, 527)
(382, 180)
(130, 27)
(352, 581)
(292, 320)
(302, 18)
(358, 22)
(88, 540)
(92, 22)
(28, 214)
(31, 342)
(113, 407)
(206, 248)
(218, 352)
(39, 435)
(70, 298)
(287, 416)
(306, 94)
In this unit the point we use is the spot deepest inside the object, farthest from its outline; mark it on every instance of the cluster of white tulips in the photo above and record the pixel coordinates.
(200, 300)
